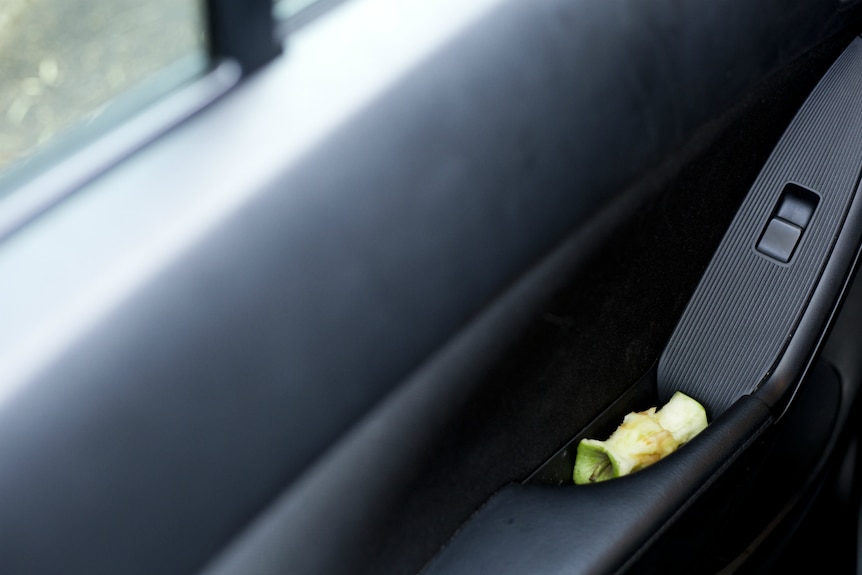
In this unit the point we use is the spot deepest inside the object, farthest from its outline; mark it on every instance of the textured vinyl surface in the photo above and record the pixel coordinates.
(747, 306)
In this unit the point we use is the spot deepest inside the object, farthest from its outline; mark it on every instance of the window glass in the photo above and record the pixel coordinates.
(286, 8)
(64, 62)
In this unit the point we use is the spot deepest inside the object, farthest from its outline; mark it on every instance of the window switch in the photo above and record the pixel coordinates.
(779, 239)
(797, 205)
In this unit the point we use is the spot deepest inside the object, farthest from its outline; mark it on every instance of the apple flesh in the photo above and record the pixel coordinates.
(643, 438)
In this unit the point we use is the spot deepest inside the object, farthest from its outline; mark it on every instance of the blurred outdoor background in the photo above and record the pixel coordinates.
(61, 61)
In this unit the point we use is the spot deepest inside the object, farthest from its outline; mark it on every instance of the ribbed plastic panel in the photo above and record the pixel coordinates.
(747, 306)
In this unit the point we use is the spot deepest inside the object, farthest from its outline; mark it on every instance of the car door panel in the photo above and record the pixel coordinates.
(360, 307)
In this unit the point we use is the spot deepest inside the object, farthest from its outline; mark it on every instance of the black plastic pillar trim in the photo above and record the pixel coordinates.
(243, 31)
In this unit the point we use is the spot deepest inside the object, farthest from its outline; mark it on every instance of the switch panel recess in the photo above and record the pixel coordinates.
(787, 223)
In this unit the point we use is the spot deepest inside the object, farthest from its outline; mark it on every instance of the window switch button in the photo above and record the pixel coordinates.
(797, 205)
(779, 240)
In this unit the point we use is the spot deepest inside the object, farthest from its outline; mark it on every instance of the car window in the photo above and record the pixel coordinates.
(287, 8)
(291, 15)
(65, 63)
